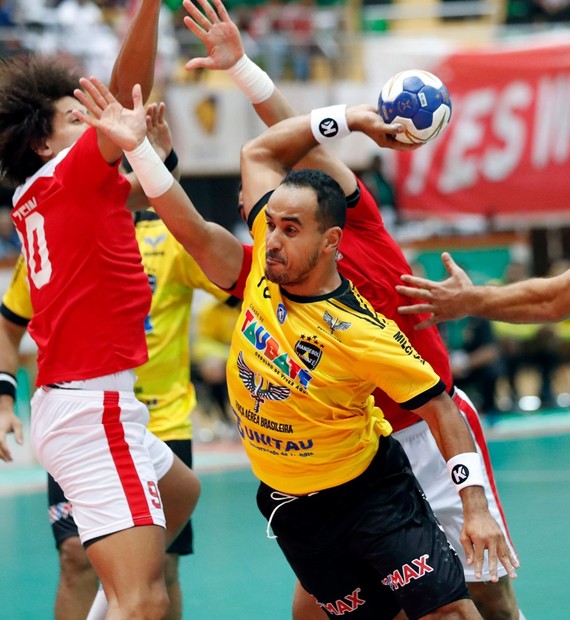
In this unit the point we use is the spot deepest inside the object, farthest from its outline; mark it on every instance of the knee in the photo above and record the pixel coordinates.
(495, 601)
(150, 604)
(73, 561)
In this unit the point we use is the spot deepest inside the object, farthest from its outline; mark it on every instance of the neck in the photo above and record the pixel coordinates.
(315, 286)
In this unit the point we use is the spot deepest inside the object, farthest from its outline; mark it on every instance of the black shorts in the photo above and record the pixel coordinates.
(371, 546)
(63, 525)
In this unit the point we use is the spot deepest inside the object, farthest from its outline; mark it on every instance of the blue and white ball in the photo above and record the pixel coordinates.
(418, 100)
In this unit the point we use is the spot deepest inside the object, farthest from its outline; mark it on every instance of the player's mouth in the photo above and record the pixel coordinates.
(273, 259)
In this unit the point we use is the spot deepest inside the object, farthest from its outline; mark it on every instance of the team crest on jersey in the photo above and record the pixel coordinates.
(335, 324)
(254, 384)
(281, 313)
(309, 352)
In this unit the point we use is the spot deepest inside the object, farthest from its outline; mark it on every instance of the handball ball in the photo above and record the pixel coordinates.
(418, 100)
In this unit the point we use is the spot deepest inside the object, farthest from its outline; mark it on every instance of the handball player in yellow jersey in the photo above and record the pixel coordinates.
(371, 259)
(307, 351)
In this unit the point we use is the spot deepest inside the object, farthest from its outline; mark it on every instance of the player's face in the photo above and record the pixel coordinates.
(293, 240)
(66, 128)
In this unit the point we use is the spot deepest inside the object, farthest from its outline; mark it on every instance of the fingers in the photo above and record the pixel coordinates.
(493, 562)
(201, 23)
(417, 281)
(161, 113)
(433, 320)
(95, 97)
(415, 309)
(221, 10)
(209, 11)
(195, 28)
(197, 63)
(97, 91)
(5, 454)
(92, 118)
(137, 96)
(449, 263)
(413, 292)
(509, 560)
(475, 554)
(18, 432)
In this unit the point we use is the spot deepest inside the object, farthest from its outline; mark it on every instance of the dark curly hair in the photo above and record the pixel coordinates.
(29, 88)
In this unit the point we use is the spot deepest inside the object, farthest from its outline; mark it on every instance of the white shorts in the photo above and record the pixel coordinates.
(96, 446)
(431, 470)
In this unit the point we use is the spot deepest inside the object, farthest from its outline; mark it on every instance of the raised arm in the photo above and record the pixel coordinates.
(160, 137)
(266, 159)
(537, 300)
(216, 250)
(137, 56)
(225, 52)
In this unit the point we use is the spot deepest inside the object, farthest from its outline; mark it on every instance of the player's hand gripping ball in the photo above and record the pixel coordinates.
(418, 100)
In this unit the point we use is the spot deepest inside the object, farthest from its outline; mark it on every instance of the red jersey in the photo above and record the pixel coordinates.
(373, 261)
(89, 292)
(370, 257)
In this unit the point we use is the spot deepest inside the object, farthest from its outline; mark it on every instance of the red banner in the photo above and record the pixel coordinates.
(507, 148)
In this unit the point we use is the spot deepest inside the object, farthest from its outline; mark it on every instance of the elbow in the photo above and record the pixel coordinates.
(252, 152)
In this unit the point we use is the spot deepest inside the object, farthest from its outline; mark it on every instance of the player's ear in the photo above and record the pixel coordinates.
(43, 149)
(332, 238)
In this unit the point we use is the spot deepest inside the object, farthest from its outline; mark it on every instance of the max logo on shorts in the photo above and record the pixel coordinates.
(402, 577)
(345, 605)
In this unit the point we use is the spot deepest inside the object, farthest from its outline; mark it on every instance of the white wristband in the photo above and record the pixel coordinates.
(154, 177)
(251, 80)
(329, 123)
(465, 470)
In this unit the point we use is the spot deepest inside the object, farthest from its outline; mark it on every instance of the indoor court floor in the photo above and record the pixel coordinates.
(239, 574)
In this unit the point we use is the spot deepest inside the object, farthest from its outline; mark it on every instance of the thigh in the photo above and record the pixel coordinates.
(415, 561)
(93, 444)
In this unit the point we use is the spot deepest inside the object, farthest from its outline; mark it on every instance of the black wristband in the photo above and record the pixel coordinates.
(171, 161)
(8, 384)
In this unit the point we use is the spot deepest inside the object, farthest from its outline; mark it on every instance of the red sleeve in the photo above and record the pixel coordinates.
(84, 165)
(238, 288)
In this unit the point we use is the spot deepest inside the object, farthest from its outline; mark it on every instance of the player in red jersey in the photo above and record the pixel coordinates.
(90, 298)
(372, 260)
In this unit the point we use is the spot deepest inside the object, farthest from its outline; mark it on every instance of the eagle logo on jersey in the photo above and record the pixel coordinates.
(254, 385)
(335, 324)
(154, 242)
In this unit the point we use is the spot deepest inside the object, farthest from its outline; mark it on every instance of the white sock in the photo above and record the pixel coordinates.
(99, 607)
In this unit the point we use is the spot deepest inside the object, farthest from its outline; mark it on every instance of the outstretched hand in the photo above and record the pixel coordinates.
(445, 300)
(125, 128)
(481, 533)
(217, 32)
(366, 119)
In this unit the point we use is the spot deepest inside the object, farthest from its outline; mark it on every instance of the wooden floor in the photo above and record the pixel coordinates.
(238, 574)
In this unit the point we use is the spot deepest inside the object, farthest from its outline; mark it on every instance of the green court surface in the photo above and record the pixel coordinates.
(239, 574)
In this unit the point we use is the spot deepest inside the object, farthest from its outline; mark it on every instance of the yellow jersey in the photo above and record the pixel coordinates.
(300, 375)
